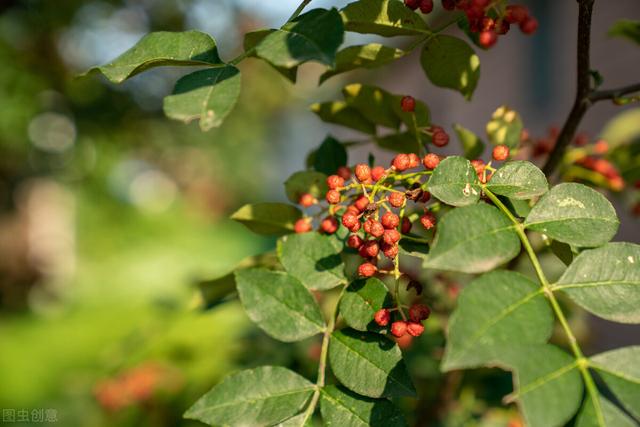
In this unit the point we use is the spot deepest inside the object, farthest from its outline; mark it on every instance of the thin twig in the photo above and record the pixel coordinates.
(612, 94)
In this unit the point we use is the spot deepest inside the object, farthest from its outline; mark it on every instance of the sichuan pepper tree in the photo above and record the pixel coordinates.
(355, 227)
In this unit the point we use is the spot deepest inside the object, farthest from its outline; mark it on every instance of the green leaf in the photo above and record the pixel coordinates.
(455, 182)
(268, 218)
(312, 259)
(613, 416)
(519, 179)
(420, 118)
(260, 396)
(338, 112)
(341, 407)
(312, 36)
(606, 281)
(361, 300)
(471, 143)
(620, 370)
(300, 420)
(251, 40)
(303, 182)
(626, 28)
(373, 103)
(574, 214)
(497, 309)
(159, 49)
(505, 127)
(279, 304)
(369, 364)
(450, 62)
(403, 142)
(519, 208)
(387, 18)
(329, 156)
(562, 251)
(473, 239)
(547, 383)
(368, 56)
(208, 95)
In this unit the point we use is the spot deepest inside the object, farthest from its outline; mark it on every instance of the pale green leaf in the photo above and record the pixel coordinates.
(312, 259)
(306, 182)
(505, 127)
(375, 104)
(361, 300)
(343, 408)
(497, 309)
(372, 55)
(251, 40)
(387, 18)
(471, 143)
(369, 364)
(455, 182)
(268, 218)
(208, 95)
(279, 304)
(450, 62)
(574, 214)
(620, 370)
(339, 113)
(519, 179)
(473, 239)
(257, 397)
(613, 416)
(162, 48)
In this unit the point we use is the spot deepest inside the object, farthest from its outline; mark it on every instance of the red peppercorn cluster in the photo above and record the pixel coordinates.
(403, 325)
(489, 19)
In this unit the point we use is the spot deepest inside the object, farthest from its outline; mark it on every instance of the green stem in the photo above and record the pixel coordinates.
(299, 10)
(581, 361)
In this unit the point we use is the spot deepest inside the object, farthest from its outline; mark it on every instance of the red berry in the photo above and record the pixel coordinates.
(487, 38)
(355, 227)
(329, 225)
(354, 241)
(376, 229)
(333, 197)
(367, 269)
(344, 172)
(428, 220)
(601, 146)
(448, 4)
(426, 196)
(500, 153)
(334, 182)
(401, 162)
(478, 165)
(481, 3)
(529, 25)
(399, 328)
(488, 23)
(390, 220)
(419, 312)
(302, 226)
(408, 104)
(363, 172)
(406, 225)
(415, 329)
(414, 160)
(361, 203)
(370, 249)
(382, 317)
(390, 251)
(307, 200)
(430, 161)
(426, 6)
(439, 138)
(516, 13)
(581, 139)
(352, 209)
(391, 237)
(377, 173)
(502, 27)
(396, 199)
(412, 4)
(349, 219)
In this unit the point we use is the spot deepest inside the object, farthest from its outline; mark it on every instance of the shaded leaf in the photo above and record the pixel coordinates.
(518, 179)
(313, 259)
(519, 208)
(620, 370)
(251, 40)
(471, 143)
(415, 121)
(268, 218)
(627, 29)
(613, 416)
(303, 182)
(279, 304)
(208, 95)
(574, 214)
(496, 309)
(403, 142)
(372, 55)
(562, 251)
(387, 18)
(505, 127)
(341, 407)
(455, 182)
(338, 112)
(473, 239)
(162, 48)
(373, 103)
(261, 396)
(450, 62)
(361, 300)
(329, 156)
(369, 364)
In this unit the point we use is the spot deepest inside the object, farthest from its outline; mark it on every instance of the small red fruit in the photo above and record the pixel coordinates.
(516, 13)
(349, 219)
(488, 23)
(399, 328)
(302, 225)
(426, 196)
(601, 146)
(334, 182)
(390, 251)
(376, 229)
(431, 160)
(500, 153)
(415, 329)
(370, 249)
(401, 162)
(406, 225)
(428, 220)
(367, 269)
(439, 137)
(355, 227)
(382, 317)
(329, 225)
(391, 237)
(529, 25)
(502, 27)
(412, 4)
(354, 241)
(581, 139)
(448, 4)
(414, 160)
(419, 312)
(478, 165)
(344, 172)
(396, 199)
(363, 172)
(377, 173)
(307, 200)
(487, 38)
(408, 104)
(333, 197)
(390, 220)
(361, 203)
(426, 6)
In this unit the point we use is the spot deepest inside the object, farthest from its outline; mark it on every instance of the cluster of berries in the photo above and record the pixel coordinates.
(399, 328)
(484, 17)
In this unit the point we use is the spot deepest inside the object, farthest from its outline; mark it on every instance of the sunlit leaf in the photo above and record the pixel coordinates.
(505, 127)
(455, 182)
(383, 17)
(471, 143)
(268, 218)
(361, 300)
(518, 179)
(373, 103)
(372, 55)
(338, 112)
